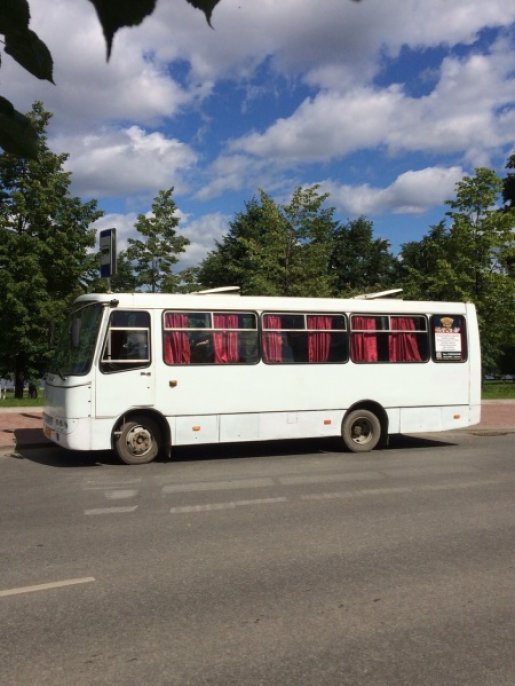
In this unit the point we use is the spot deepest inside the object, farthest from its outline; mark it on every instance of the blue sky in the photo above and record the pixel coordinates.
(385, 104)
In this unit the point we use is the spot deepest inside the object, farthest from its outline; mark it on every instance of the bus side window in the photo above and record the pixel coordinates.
(304, 338)
(389, 338)
(449, 338)
(127, 344)
(210, 338)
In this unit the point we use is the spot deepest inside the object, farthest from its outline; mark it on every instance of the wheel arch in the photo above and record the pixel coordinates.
(156, 416)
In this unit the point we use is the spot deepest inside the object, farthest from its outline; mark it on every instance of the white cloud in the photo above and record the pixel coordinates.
(229, 172)
(104, 112)
(202, 234)
(326, 127)
(334, 45)
(413, 192)
(115, 162)
(452, 118)
(308, 37)
(132, 86)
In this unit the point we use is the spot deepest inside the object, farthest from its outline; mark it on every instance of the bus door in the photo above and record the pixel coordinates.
(125, 376)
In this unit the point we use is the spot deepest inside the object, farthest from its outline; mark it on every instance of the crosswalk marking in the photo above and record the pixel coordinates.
(115, 493)
(209, 507)
(110, 510)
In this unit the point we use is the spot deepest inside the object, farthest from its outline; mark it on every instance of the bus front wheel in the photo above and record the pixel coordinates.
(138, 441)
(361, 431)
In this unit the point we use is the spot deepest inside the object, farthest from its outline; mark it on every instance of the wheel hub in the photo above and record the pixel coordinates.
(361, 431)
(139, 440)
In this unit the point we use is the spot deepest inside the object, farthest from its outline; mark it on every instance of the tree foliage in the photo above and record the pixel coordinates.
(360, 262)
(154, 256)
(298, 249)
(44, 239)
(276, 250)
(124, 281)
(469, 257)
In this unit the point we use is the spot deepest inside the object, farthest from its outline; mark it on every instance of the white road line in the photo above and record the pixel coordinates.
(401, 489)
(260, 501)
(464, 484)
(110, 510)
(328, 478)
(46, 587)
(356, 494)
(121, 493)
(108, 484)
(202, 508)
(209, 507)
(217, 485)
(436, 470)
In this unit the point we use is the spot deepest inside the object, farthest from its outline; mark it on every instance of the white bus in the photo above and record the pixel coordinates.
(141, 373)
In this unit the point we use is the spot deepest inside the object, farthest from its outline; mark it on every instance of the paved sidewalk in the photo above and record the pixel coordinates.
(22, 427)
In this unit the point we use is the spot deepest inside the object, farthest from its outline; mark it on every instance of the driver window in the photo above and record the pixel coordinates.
(127, 344)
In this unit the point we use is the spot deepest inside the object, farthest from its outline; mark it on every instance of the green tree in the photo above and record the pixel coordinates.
(154, 256)
(310, 234)
(276, 250)
(124, 281)
(44, 238)
(188, 280)
(469, 257)
(247, 256)
(360, 262)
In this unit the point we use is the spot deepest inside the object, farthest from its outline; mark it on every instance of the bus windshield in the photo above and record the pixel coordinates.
(75, 350)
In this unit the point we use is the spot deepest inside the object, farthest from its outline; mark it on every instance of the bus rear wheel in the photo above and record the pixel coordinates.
(139, 441)
(361, 431)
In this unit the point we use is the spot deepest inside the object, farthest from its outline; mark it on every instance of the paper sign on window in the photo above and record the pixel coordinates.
(448, 343)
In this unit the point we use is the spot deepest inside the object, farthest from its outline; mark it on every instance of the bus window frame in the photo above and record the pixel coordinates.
(389, 331)
(118, 365)
(464, 353)
(208, 332)
(304, 331)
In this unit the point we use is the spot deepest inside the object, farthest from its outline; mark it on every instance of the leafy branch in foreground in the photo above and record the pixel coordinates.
(17, 135)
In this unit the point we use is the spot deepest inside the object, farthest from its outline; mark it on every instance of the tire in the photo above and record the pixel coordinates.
(361, 431)
(139, 441)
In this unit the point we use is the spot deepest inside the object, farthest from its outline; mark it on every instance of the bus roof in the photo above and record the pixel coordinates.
(231, 301)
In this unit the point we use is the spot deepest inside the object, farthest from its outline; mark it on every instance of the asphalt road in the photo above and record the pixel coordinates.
(261, 564)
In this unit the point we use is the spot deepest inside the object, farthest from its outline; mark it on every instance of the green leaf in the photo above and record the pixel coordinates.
(29, 51)
(17, 134)
(115, 14)
(14, 16)
(207, 6)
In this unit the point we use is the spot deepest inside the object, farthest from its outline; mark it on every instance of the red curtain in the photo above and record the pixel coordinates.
(403, 347)
(225, 343)
(364, 345)
(272, 340)
(319, 343)
(176, 343)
